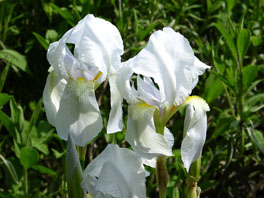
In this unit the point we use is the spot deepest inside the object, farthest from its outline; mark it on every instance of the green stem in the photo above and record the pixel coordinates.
(25, 182)
(82, 153)
(193, 191)
(240, 105)
(162, 176)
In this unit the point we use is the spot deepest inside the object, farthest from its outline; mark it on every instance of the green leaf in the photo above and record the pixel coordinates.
(4, 98)
(255, 99)
(65, 13)
(3, 76)
(249, 73)
(215, 6)
(228, 39)
(224, 80)
(7, 122)
(243, 42)
(253, 85)
(41, 40)
(10, 168)
(28, 157)
(16, 59)
(215, 91)
(256, 41)
(230, 4)
(73, 170)
(43, 169)
(220, 65)
(145, 32)
(51, 35)
(17, 114)
(57, 153)
(257, 137)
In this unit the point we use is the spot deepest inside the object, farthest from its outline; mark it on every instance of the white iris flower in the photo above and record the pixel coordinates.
(167, 71)
(69, 94)
(115, 173)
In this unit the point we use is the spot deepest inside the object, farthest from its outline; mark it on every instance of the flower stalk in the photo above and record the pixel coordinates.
(162, 176)
(193, 191)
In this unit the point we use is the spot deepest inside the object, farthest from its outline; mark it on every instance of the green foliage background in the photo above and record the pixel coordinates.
(226, 34)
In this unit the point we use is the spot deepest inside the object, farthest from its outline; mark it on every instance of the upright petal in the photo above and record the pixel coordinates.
(98, 43)
(79, 113)
(52, 95)
(169, 59)
(127, 91)
(141, 132)
(118, 172)
(61, 58)
(195, 126)
(115, 121)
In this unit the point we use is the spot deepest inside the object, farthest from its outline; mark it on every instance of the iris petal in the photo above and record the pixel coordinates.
(52, 95)
(79, 113)
(115, 122)
(120, 173)
(141, 132)
(195, 126)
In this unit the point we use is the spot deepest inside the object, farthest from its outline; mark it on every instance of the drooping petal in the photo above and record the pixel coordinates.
(141, 132)
(152, 161)
(115, 121)
(120, 173)
(52, 95)
(195, 126)
(79, 113)
(169, 59)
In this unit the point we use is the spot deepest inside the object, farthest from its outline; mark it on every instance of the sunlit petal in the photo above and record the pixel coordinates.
(120, 173)
(98, 43)
(169, 59)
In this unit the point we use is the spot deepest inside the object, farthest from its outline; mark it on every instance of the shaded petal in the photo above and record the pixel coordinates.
(79, 113)
(52, 95)
(120, 173)
(147, 91)
(195, 126)
(141, 133)
(115, 122)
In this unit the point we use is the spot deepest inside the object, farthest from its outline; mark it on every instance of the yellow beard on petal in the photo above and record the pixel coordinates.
(197, 100)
